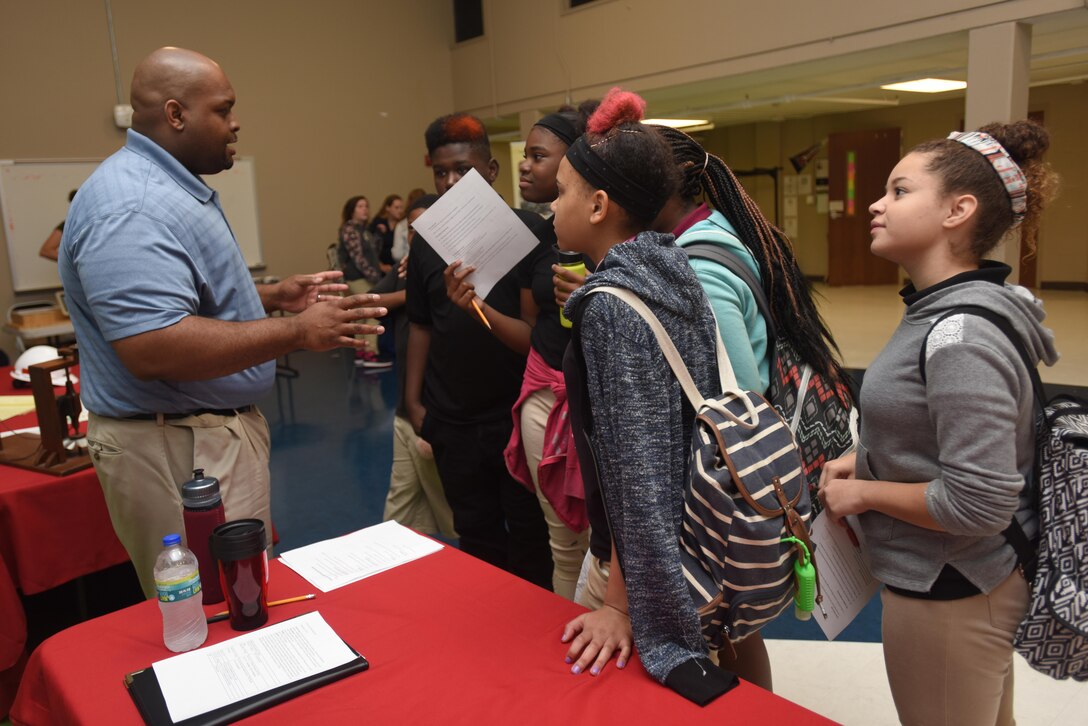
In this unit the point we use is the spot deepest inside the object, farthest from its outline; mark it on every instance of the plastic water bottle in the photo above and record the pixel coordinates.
(177, 579)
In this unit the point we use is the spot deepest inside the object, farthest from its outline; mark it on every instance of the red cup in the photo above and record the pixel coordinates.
(241, 548)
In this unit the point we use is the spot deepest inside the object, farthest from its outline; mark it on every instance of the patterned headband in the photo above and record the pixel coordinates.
(1016, 185)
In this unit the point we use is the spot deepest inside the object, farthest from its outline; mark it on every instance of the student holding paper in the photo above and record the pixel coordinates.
(461, 381)
(940, 471)
(541, 453)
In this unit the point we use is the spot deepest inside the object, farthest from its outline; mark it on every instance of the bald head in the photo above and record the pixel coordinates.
(182, 101)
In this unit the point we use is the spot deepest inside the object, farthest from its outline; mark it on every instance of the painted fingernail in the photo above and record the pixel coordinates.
(576, 669)
(567, 659)
(595, 670)
(621, 664)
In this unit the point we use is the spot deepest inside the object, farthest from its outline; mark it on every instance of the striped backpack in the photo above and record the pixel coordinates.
(1053, 637)
(820, 412)
(746, 491)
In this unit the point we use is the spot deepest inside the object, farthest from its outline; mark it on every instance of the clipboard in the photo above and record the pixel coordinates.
(143, 687)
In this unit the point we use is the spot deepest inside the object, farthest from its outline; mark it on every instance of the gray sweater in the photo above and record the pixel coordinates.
(968, 431)
(641, 431)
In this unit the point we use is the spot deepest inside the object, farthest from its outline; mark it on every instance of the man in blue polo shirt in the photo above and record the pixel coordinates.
(175, 341)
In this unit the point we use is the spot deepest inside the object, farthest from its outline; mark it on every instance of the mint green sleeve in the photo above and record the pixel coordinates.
(743, 330)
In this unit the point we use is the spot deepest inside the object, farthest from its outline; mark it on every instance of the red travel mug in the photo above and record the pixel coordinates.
(240, 547)
(203, 513)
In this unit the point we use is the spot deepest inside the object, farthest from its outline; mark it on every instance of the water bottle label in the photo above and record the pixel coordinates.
(175, 590)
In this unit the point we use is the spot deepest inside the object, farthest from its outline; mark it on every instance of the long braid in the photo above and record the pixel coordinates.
(788, 292)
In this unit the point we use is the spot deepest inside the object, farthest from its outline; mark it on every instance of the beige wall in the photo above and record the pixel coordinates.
(536, 53)
(1063, 245)
(333, 97)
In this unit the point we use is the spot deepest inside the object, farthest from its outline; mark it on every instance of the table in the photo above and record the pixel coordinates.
(52, 530)
(450, 640)
(51, 334)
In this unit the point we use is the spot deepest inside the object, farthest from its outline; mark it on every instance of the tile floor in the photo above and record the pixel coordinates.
(862, 318)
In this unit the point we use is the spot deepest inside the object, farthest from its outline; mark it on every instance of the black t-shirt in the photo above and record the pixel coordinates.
(470, 377)
(549, 337)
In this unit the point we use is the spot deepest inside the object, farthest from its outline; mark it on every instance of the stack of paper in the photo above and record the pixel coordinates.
(337, 562)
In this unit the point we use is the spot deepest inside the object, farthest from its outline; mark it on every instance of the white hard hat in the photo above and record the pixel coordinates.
(34, 356)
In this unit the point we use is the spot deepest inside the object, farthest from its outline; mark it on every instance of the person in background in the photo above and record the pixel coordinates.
(51, 245)
(541, 453)
(939, 473)
(415, 497)
(359, 253)
(391, 212)
(382, 226)
(633, 422)
(400, 231)
(461, 381)
(175, 340)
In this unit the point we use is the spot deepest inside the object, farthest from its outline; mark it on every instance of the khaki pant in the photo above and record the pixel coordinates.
(592, 582)
(949, 662)
(360, 287)
(568, 546)
(415, 498)
(141, 466)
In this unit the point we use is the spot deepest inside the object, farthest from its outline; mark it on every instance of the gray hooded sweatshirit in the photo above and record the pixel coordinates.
(968, 431)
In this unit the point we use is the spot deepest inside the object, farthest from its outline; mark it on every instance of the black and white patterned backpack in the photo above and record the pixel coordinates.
(1053, 637)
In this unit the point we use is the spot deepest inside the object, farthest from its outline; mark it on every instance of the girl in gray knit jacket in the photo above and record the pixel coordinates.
(941, 467)
(613, 182)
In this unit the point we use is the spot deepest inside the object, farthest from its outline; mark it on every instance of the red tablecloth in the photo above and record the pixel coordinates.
(52, 530)
(449, 639)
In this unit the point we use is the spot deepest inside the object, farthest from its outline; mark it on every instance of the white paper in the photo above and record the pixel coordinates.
(340, 561)
(472, 223)
(845, 582)
(804, 184)
(209, 678)
(789, 185)
(789, 226)
(821, 204)
(790, 207)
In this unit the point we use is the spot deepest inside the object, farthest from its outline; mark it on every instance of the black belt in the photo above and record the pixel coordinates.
(197, 412)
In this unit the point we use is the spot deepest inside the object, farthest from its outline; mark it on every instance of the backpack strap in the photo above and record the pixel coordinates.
(726, 377)
(733, 263)
(1001, 323)
(1014, 533)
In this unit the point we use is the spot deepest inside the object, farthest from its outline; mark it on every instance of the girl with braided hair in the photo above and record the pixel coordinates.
(948, 438)
(735, 221)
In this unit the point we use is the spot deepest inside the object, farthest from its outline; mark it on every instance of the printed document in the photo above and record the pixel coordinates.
(209, 678)
(845, 581)
(340, 561)
(472, 223)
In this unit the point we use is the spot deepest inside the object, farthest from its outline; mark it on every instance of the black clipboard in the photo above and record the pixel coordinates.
(143, 687)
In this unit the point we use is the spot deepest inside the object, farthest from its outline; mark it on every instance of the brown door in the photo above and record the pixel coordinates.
(859, 162)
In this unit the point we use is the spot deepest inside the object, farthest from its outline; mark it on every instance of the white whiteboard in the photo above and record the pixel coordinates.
(34, 200)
